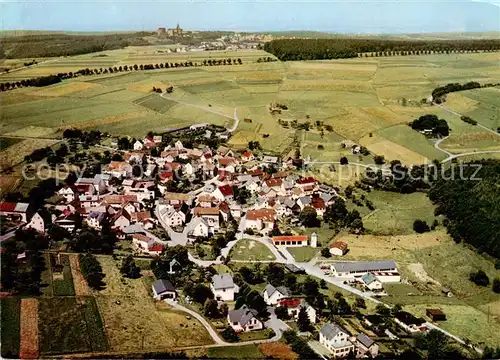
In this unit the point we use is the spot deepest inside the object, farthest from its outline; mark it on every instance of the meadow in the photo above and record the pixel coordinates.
(251, 250)
(367, 100)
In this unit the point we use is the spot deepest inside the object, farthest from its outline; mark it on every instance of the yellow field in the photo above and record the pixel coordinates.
(15, 154)
(66, 89)
(32, 131)
(148, 87)
(392, 151)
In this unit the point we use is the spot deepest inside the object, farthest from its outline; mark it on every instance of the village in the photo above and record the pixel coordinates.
(158, 197)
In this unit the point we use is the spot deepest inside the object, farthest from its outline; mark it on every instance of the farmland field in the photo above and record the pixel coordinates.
(251, 250)
(10, 311)
(361, 99)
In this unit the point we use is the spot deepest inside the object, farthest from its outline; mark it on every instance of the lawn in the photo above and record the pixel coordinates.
(254, 335)
(10, 335)
(131, 318)
(239, 352)
(65, 286)
(251, 250)
(464, 321)
(303, 253)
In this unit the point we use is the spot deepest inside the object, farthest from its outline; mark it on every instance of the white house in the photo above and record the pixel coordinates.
(163, 289)
(338, 248)
(336, 340)
(371, 282)
(198, 227)
(244, 319)
(210, 215)
(272, 295)
(37, 223)
(261, 220)
(223, 287)
(174, 218)
(138, 145)
(67, 193)
(384, 270)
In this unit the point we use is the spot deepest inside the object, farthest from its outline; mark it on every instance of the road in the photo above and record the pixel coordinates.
(454, 156)
(460, 115)
(208, 109)
(273, 322)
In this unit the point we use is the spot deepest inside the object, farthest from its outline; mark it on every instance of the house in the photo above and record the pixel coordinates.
(174, 217)
(67, 222)
(157, 139)
(298, 240)
(371, 282)
(247, 156)
(436, 314)
(67, 193)
(198, 227)
(146, 245)
(366, 346)
(261, 220)
(336, 340)
(138, 145)
(338, 248)
(120, 220)
(224, 151)
(210, 215)
(244, 319)
(272, 295)
(224, 193)
(16, 211)
(294, 305)
(410, 323)
(95, 219)
(223, 287)
(177, 198)
(384, 270)
(163, 289)
(37, 223)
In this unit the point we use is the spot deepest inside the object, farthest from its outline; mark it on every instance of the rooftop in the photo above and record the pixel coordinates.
(222, 281)
(364, 266)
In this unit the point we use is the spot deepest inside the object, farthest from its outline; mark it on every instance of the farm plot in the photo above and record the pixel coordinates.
(33, 131)
(79, 282)
(15, 154)
(5, 142)
(29, 327)
(209, 87)
(10, 323)
(62, 279)
(156, 103)
(65, 89)
(251, 250)
(63, 326)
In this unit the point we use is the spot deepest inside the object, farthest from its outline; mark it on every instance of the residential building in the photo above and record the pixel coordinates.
(436, 314)
(16, 211)
(37, 223)
(294, 305)
(198, 227)
(410, 323)
(336, 340)
(371, 282)
(223, 287)
(366, 346)
(272, 295)
(261, 220)
(163, 289)
(244, 319)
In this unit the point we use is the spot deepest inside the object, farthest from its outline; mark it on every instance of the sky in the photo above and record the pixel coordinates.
(347, 16)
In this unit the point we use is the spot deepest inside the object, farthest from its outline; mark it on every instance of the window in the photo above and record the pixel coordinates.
(235, 323)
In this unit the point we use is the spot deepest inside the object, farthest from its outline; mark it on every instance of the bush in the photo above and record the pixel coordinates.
(479, 278)
(379, 159)
(496, 286)
(230, 335)
(325, 252)
(344, 161)
(420, 226)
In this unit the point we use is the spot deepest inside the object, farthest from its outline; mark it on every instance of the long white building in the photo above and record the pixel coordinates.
(384, 270)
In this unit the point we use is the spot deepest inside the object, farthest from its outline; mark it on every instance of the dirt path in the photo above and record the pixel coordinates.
(421, 274)
(28, 348)
(79, 282)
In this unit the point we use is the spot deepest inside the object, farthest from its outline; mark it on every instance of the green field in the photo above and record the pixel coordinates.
(230, 352)
(250, 250)
(64, 287)
(303, 253)
(395, 213)
(360, 98)
(10, 311)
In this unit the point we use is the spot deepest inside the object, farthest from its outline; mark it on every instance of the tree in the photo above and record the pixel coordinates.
(383, 310)
(211, 309)
(275, 274)
(325, 252)
(281, 313)
(308, 217)
(379, 159)
(479, 278)
(322, 284)
(310, 288)
(344, 161)
(91, 270)
(129, 268)
(201, 293)
(303, 320)
(420, 226)
(496, 286)
(360, 303)
(229, 334)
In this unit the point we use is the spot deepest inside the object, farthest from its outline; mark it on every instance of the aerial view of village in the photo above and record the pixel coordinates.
(290, 190)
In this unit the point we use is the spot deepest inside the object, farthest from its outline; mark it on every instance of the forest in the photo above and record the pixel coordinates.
(36, 46)
(471, 206)
(317, 49)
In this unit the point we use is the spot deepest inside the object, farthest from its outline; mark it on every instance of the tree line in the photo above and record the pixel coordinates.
(471, 207)
(56, 78)
(53, 45)
(438, 94)
(317, 49)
